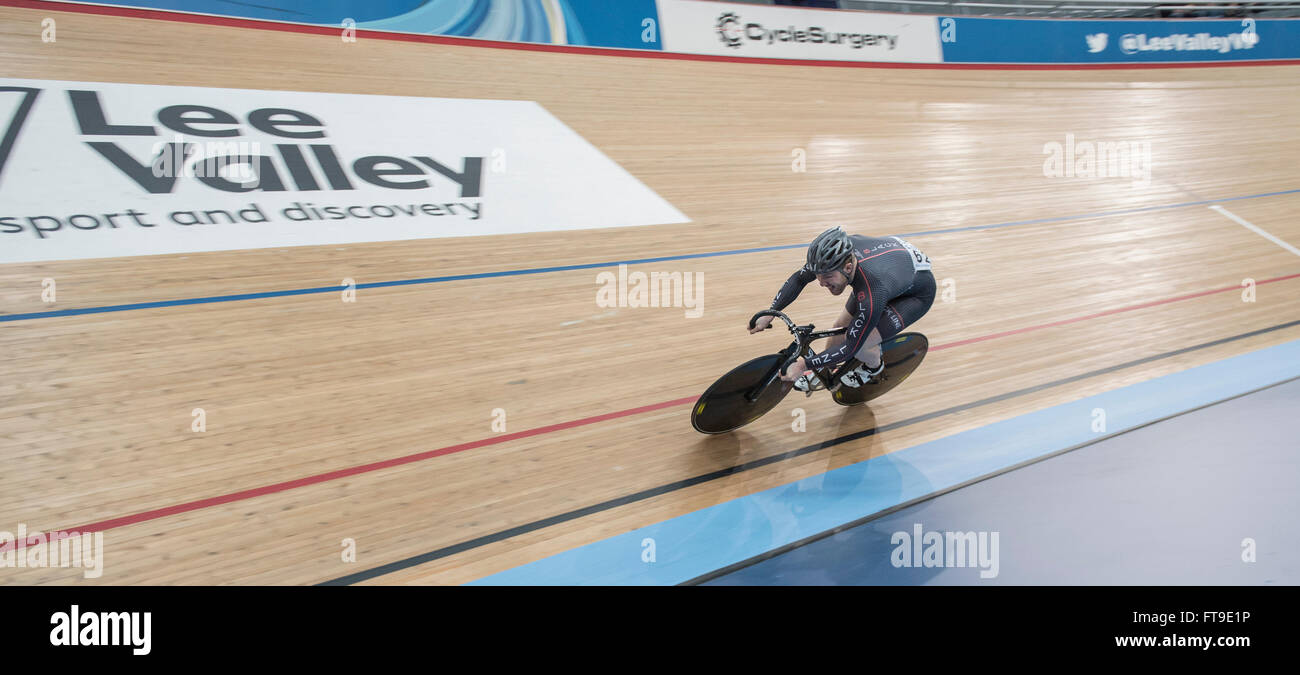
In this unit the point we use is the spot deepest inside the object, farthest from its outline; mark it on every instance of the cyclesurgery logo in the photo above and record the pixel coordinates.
(733, 33)
(729, 29)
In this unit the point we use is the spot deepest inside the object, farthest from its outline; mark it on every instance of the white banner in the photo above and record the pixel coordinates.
(95, 170)
(760, 31)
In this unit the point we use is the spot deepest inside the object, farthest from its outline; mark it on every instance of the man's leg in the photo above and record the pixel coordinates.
(869, 354)
(900, 313)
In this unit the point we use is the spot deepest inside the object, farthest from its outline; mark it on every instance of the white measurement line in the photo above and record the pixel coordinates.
(1254, 228)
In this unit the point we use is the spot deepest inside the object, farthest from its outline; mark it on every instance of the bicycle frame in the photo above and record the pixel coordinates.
(803, 335)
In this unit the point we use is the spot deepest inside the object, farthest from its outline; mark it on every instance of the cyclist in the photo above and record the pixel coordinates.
(892, 286)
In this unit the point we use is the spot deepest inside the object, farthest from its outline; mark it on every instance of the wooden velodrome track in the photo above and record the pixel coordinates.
(95, 409)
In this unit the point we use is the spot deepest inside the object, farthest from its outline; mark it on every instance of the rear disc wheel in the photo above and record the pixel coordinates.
(901, 354)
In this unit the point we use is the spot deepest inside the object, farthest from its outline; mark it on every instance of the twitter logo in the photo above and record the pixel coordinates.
(1096, 42)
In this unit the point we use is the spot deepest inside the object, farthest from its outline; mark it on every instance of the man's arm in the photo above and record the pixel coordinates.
(854, 335)
(792, 288)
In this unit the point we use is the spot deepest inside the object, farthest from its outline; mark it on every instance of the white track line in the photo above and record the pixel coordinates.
(1255, 228)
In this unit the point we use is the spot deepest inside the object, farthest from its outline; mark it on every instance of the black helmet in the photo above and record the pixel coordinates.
(829, 251)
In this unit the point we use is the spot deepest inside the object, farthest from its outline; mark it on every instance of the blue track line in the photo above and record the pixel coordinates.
(566, 268)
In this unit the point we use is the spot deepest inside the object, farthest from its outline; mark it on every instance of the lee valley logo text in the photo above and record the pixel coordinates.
(302, 163)
(1182, 42)
(93, 170)
(102, 629)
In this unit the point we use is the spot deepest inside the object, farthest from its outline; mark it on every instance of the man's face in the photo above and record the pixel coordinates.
(835, 281)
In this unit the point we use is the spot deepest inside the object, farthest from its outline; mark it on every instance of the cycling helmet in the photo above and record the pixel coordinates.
(829, 251)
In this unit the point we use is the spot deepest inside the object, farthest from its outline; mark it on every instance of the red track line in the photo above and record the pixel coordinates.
(334, 31)
(494, 440)
(355, 470)
(1108, 312)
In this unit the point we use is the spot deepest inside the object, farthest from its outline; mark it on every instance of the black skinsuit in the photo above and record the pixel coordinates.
(892, 287)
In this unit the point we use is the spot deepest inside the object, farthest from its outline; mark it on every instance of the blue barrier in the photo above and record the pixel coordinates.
(329, 12)
(591, 23)
(979, 40)
(636, 24)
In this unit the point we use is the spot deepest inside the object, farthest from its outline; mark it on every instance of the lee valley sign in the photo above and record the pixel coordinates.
(93, 170)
